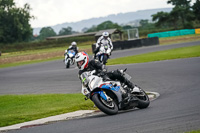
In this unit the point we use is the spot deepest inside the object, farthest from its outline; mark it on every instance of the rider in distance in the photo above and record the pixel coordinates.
(104, 39)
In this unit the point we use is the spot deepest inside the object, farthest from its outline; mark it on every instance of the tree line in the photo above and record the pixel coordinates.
(14, 22)
(15, 27)
(183, 15)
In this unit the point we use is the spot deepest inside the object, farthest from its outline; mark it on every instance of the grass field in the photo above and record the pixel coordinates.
(35, 56)
(198, 131)
(21, 108)
(179, 39)
(185, 52)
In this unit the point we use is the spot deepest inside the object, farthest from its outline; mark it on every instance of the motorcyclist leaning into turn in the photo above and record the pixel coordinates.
(102, 40)
(83, 63)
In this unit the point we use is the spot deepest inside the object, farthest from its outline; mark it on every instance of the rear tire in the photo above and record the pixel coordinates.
(143, 101)
(110, 108)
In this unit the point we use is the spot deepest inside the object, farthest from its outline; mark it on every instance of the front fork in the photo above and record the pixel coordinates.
(103, 95)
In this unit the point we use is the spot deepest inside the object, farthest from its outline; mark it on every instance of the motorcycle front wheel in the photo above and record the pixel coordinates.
(105, 58)
(68, 64)
(108, 107)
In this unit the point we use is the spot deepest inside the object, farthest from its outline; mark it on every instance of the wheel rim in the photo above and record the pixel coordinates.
(109, 104)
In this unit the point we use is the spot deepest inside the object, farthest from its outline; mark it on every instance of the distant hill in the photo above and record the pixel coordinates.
(121, 18)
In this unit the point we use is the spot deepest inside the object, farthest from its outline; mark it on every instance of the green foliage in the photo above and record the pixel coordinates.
(180, 16)
(162, 19)
(196, 9)
(126, 27)
(185, 3)
(43, 44)
(14, 22)
(144, 23)
(46, 32)
(103, 26)
(66, 31)
(107, 25)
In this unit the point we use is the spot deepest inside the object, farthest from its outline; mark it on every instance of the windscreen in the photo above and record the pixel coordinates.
(84, 78)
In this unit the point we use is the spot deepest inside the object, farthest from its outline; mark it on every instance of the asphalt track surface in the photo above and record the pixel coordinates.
(53, 77)
(176, 110)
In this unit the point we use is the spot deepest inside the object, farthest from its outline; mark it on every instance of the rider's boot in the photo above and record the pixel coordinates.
(133, 88)
(128, 83)
(95, 56)
(120, 76)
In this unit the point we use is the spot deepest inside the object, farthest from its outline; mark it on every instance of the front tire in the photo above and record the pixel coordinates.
(105, 58)
(100, 58)
(109, 108)
(68, 64)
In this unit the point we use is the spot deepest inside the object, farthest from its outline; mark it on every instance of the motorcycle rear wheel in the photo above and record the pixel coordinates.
(143, 101)
(109, 108)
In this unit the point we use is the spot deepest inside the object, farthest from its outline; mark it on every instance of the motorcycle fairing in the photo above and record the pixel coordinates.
(68, 55)
(71, 52)
(110, 87)
(102, 94)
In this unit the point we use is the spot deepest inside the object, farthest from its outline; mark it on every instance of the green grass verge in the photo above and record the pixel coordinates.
(21, 108)
(179, 39)
(185, 52)
(29, 62)
(38, 51)
(198, 131)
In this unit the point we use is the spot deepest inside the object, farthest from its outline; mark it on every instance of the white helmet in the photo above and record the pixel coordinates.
(82, 60)
(73, 44)
(105, 34)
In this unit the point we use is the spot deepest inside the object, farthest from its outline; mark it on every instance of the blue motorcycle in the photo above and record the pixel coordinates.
(69, 58)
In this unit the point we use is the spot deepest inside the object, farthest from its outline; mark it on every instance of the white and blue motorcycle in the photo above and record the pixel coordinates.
(107, 95)
(104, 53)
(69, 58)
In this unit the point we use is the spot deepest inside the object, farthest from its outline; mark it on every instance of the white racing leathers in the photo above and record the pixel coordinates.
(102, 40)
(105, 47)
